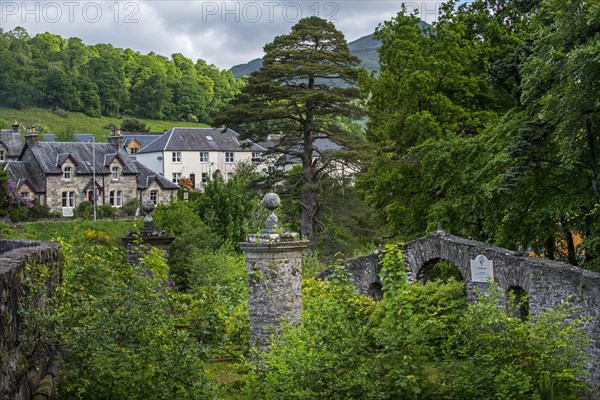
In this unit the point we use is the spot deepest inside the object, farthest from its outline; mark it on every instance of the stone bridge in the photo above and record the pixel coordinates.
(546, 282)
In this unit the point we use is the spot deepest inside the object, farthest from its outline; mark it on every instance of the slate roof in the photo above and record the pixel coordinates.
(320, 144)
(25, 173)
(143, 138)
(200, 139)
(79, 137)
(50, 157)
(12, 141)
(146, 176)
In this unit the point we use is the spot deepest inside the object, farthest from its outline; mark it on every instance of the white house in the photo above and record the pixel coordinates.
(197, 153)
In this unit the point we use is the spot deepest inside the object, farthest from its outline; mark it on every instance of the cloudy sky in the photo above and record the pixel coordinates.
(222, 32)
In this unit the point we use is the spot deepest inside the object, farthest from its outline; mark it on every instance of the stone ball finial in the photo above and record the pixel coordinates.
(148, 206)
(271, 201)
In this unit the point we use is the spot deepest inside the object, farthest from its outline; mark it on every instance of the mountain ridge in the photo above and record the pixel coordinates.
(365, 48)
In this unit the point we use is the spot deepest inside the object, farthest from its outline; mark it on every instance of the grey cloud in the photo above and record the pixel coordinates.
(221, 32)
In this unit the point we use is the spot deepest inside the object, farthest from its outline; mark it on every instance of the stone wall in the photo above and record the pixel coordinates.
(21, 369)
(365, 274)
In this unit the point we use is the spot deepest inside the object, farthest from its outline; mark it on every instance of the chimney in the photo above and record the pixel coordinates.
(115, 138)
(32, 137)
(15, 126)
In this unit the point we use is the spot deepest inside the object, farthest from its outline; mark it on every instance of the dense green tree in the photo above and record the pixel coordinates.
(134, 125)
(229, 207)
(47, 70)
(302, 89)
(432, 112)
(554, 148)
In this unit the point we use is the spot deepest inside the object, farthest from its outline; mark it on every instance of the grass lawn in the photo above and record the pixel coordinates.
(79, 123)
(47, 230)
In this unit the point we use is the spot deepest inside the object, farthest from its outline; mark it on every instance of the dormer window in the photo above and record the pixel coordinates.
(2, 156)
(68, 173)
(115, 173)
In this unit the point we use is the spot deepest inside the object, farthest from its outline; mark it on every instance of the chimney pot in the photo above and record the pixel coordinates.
(15, 126)
(32, 137)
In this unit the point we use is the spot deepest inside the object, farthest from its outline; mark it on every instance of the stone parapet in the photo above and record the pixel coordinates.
(22, 369)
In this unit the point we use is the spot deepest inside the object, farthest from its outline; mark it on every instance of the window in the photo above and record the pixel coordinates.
(204, 156)
(115, 173)
(176, 177)
(176, 156)
(154, 196)
(255, 156)
(204, 177)
(67, 174)
(68, 199)
(115, 198)
(229, 175)
(228, 157)
(1, 155)
(25, 195)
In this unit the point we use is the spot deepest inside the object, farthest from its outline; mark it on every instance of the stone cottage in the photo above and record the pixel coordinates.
(62, 175)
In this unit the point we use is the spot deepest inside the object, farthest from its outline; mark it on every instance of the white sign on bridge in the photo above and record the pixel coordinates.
(482, 269)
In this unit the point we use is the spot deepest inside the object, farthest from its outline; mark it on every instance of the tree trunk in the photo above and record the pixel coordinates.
(307, 200)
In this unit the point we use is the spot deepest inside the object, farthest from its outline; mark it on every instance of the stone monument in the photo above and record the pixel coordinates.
(138, 245)
(274, 266)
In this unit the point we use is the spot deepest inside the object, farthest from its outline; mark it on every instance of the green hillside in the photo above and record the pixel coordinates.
(48, 122)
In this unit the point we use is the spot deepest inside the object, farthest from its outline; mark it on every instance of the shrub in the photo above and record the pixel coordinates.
(105, 211)
(129, 208)
(84, 210)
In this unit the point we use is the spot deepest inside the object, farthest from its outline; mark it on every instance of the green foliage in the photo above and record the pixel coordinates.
(228, 207)
(486, 122)
(47, 230)
(84, 210)
(129, 208)
(119, 331)
(326, 357)
(79, 122)
(421, 342)
(192, 239)
(66, 135)
(134, 125)
(67, 75)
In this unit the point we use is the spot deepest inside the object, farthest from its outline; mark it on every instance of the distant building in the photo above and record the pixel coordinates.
(197, 153)
(61, 174)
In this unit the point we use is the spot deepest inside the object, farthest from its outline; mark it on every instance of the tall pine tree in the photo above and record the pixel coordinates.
(304, 89)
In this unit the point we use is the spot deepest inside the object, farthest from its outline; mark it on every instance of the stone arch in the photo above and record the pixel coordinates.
(517, 302)
(426, 272)
(545, 283)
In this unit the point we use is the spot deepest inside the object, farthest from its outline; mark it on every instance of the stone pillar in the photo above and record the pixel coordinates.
(149, 236)
(274, 265)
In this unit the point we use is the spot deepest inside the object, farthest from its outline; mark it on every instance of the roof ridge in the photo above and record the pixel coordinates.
(169, 139)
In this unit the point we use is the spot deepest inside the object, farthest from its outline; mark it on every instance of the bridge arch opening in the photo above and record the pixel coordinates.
(437, 269)
(375, 290)
(517, 302)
